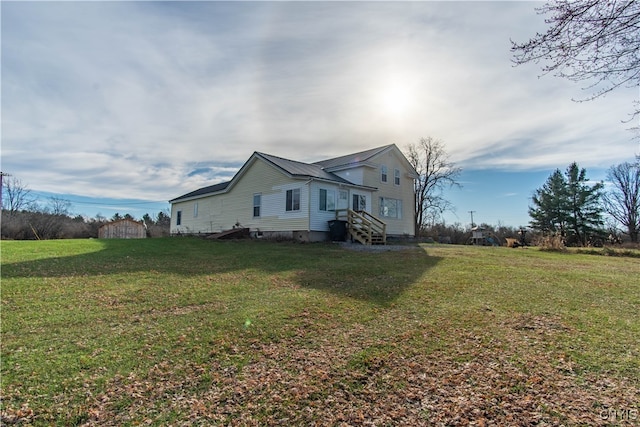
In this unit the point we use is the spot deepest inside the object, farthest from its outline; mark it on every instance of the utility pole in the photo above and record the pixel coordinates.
(472, 224)
(2, 174)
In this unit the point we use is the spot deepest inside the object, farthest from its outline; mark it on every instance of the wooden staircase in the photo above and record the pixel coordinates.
(364, 227)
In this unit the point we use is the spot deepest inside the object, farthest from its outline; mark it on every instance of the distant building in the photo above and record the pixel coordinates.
(123, 229)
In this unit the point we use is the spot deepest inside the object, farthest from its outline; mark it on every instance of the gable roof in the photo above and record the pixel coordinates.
(350, 160)
(302, 170)
(321, 170)
(204, 190)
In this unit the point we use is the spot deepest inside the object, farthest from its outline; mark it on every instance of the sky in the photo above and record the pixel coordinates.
(122, 106)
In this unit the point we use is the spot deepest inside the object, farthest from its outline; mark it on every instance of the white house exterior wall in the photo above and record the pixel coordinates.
(319, 220)
(224, 211)
(355, 175)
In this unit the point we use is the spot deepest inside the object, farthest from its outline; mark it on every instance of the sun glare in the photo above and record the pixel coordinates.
(395, 100)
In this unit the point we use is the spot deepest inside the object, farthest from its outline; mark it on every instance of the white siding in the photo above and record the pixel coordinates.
(393, 159)
(355, 175)
(319, 220)
(224, 211)
(368, 195)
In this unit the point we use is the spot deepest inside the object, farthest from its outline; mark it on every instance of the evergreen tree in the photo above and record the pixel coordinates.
(585, 217)
(550, 212)
(566, 204)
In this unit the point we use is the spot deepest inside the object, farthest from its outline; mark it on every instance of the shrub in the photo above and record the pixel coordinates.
(553, 242)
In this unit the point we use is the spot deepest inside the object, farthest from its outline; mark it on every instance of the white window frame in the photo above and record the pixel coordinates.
(258, 205)
(396, 176)
(362, 202)
(329, 202)
(195, 210)
(384, 173)
(292, 203)
(390, 208)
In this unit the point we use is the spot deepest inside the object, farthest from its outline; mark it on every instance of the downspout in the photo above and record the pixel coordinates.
(308, 184)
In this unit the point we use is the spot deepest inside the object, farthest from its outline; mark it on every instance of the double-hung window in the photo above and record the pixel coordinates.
(383, 173)
(327, 200)
(396, 176)
(293, 200)
(257, 203)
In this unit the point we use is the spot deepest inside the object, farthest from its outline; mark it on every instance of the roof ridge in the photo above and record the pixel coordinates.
(370, 153)
(288, 160)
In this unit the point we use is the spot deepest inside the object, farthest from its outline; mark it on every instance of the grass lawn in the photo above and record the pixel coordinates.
(183, 331)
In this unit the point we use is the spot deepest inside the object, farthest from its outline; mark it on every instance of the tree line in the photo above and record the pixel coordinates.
(24, 217)
(568, 206)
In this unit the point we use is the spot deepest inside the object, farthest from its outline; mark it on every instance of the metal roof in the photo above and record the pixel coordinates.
(317, 170)
(303, 170)
(202, 191)
(351, 159)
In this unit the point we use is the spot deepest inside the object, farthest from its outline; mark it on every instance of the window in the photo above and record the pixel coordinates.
(327, 200)
(359, 202)
(195, 210)
(383, 173)
(178, 217)
(293, 200)
(257, 202)
(390, 208)
(396, 176)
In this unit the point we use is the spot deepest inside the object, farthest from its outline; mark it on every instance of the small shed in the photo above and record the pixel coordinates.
(123, 229)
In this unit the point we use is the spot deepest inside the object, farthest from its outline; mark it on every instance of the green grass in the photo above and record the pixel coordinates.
(189, 331)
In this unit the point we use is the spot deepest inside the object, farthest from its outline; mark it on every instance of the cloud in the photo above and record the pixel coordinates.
(163, 97)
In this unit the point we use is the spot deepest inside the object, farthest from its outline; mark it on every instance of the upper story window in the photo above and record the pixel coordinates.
(383, 173)
(327, 200)
(293, 200)
(396, 176)
(257, 203)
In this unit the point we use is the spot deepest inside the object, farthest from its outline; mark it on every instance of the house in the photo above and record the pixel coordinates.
(372, 191)
(123, 229)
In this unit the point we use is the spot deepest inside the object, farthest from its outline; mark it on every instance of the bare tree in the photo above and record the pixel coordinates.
(16, 195)
(590, 41)
(436, 172)
(622, 202)
(59, 206)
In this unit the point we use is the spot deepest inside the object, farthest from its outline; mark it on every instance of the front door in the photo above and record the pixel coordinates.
(359, 202)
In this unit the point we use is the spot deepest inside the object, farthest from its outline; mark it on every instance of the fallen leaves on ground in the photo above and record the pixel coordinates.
(340, 378)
